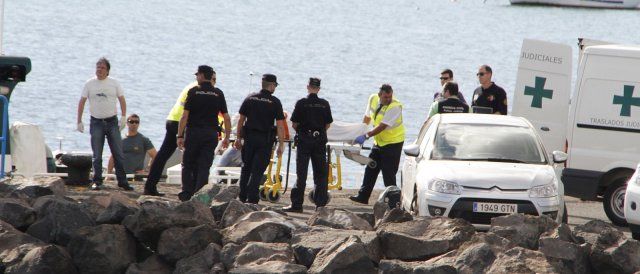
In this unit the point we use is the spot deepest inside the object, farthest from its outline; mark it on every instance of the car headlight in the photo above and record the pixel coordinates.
(543, 191)
(442, 186)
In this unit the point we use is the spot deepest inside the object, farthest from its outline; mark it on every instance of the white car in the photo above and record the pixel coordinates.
(632, 204)
(480, 166)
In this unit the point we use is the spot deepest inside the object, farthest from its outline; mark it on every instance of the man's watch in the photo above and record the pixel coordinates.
(179, 136)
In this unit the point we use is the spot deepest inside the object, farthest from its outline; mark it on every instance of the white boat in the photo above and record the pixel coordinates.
(610, 4)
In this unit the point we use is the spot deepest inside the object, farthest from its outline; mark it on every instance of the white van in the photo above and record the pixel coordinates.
(603, 125)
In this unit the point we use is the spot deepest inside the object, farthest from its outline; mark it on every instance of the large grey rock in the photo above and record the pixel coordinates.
(58, 219)
(155, 216)
(229, 253)
(234, 211)
(220, 202)
(148, 223)
(102, 249)
(259, 253)
(307, 244)
(561, 245)
(14, 244)
(611, 251)
(423, 238)
(340, 219)
(17, 213)
(192, 213)
(261, 226)
(45, 260)
(38, 187)
(521, 260)
(475, 255)
(270, 267)
(401, 267)
(152, 265)
(396, 215)
(343, 256)
(369, 217)
(523, 230)
(202, 262)
(177, 243)
(120, 206)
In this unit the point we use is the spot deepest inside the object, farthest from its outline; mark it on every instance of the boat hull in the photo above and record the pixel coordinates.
(611, 4)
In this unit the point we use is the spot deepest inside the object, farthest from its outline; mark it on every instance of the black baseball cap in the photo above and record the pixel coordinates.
(207, 70)
(314, 82)
(270, 78)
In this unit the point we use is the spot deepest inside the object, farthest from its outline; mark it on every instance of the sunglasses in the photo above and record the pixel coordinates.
(480, 74)
(133, 122)
(444, 78)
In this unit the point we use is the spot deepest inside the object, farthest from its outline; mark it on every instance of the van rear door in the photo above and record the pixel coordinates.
(543, 86)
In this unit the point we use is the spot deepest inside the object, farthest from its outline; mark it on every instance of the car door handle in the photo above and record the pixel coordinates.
(544, 128)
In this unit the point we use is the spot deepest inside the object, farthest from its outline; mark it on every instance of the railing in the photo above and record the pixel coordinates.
(3, 139)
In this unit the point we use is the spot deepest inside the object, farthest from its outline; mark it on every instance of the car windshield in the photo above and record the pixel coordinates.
(497, 143)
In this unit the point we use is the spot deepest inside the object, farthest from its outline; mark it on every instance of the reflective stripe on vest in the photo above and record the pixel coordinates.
(393, 134)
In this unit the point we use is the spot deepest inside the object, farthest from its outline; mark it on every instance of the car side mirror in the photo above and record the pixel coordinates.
(559, 157)
(412, 150)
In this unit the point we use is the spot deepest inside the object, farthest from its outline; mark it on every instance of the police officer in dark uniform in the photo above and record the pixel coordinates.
(488, 95)
(451, 102)
(311, 118)
(254, 136)
(198, 131)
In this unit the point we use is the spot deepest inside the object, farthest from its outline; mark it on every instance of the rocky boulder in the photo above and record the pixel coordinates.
(38, 187)
(192, 213)
(339, 219)
(401, 267)
(206, 193)
(17, 213)
(475, 255)
(423, 238)
(560, 245)
(205, 261)
(611, 251)
(261, 226)
(307, 244)
(343, 256)
(45, 260)
(102, 249)
(523, 230)
(221, 200)
(152, 265)
(14, 244)
(521, 260)
(234, 210)
(119, 207)
(396, 215)
(270, 267)
(58, 219)
(257, 253)
(177, 243)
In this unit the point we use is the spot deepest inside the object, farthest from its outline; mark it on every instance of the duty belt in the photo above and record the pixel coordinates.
(312, 133)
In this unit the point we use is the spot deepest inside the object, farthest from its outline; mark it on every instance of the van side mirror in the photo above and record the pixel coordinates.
(412, 150)
(559, 157)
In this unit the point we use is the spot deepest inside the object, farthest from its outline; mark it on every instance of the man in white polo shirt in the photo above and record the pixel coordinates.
(103, 92)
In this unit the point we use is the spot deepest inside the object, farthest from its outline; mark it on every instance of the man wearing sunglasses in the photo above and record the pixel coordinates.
(136, 147)
(488, 94)
(446, 76)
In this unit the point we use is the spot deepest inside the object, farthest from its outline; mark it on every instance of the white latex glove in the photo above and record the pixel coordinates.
(80, 127)
(122, 123)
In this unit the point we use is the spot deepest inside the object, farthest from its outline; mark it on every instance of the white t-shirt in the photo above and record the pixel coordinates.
(390, 116)
(103, 96)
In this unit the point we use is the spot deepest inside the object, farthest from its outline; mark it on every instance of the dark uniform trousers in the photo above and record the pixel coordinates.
(199, 146)
(256, 152)
(167, 149)
(387, 159)
(314, 148)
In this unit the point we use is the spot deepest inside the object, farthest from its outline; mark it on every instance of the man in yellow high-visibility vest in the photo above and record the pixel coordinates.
(388, 134)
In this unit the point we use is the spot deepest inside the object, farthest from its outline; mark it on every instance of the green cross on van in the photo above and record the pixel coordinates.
(627, 100)
(538, 92)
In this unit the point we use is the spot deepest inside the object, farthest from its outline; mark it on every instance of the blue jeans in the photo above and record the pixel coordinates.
(99, 129)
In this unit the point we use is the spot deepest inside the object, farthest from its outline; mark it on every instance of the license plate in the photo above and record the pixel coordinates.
(494, 208)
